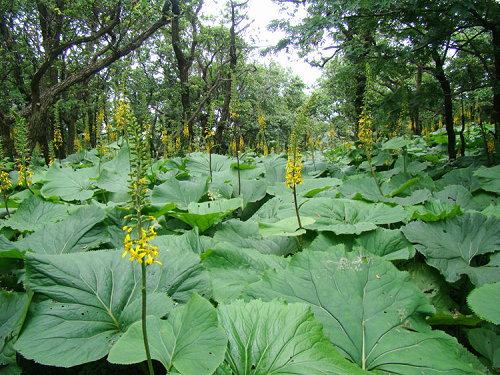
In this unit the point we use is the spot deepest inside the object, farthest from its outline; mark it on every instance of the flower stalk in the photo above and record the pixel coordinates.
(365, 136)
(138, 247)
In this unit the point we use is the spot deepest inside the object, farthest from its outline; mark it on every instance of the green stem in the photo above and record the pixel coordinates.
(210, 162)
(144, 326)
(6, 199)
(296, 206)
(375, 176)
(297, 213)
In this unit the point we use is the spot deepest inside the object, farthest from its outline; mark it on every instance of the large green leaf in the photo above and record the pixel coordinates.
(191, 341)
(232, 268)
(396, 191)
(433, 285)
(68, 184)
(454, 246)
(74, 234)
(9, 249)
(344, 216)
(113, 182)
(395, 143)
(372, 312)
(198, 164)
(386, 243)
(489, 178)
(285, 227)
(434, 210)
(181, 193)
(486, 340)
(191, 241)
(115, 173)
(13, 309)
(456, 195)
(247, 235)
(275, 338)
(85, 301)
(34, 213)
(485, 302)
(462, 177)
(206, 214)
(251, 191)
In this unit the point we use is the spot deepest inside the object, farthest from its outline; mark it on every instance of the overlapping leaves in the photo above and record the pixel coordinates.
(85, 301)
(372, 312)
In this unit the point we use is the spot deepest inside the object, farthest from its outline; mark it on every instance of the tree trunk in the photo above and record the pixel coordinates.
(496, 82)
(440, 75)
(184, 62)
(42, 98)
(233, 59)
(417, 127)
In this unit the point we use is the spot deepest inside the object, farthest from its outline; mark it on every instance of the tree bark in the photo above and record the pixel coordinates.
(440, 75)
(43, 98)
(184, 62)
(496, 81)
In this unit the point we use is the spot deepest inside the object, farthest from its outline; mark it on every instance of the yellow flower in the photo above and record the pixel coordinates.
(78, 145)
(140, 248)
(58, 141)
(294, 171)
(86, 134)
(121, 115)
(490, 146)
(5, 183)
(242, 143)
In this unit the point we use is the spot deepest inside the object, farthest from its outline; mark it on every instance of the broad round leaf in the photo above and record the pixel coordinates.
(191, 340)
(386, 243)
(372, 312)
(75, 233)
(451, 245)
(84, 301)
(485, 302)
(69, 184)
(34, 213)
(181, 193)
(275, 338)
(232, 268)
(343, 216)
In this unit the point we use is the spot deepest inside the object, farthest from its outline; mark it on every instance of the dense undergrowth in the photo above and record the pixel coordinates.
(398, 278)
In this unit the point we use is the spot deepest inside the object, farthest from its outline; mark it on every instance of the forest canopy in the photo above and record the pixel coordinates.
(70, 68)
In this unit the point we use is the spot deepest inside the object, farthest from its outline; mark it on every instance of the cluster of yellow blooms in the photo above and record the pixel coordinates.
(294, 170)
(209, 134)
(78, 145)
(24, 178)
(52, 153)
(5, 183)
(122, 113)
(58, 141)
(186, 130)
(490, 146)
(365, 134)
(140, 249)
(241, 145)
(86, 134)
(177, 144)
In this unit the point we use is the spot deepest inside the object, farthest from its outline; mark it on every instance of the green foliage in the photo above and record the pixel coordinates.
(485, 302)
(260, 340)
(191, 341)
(373, 274)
